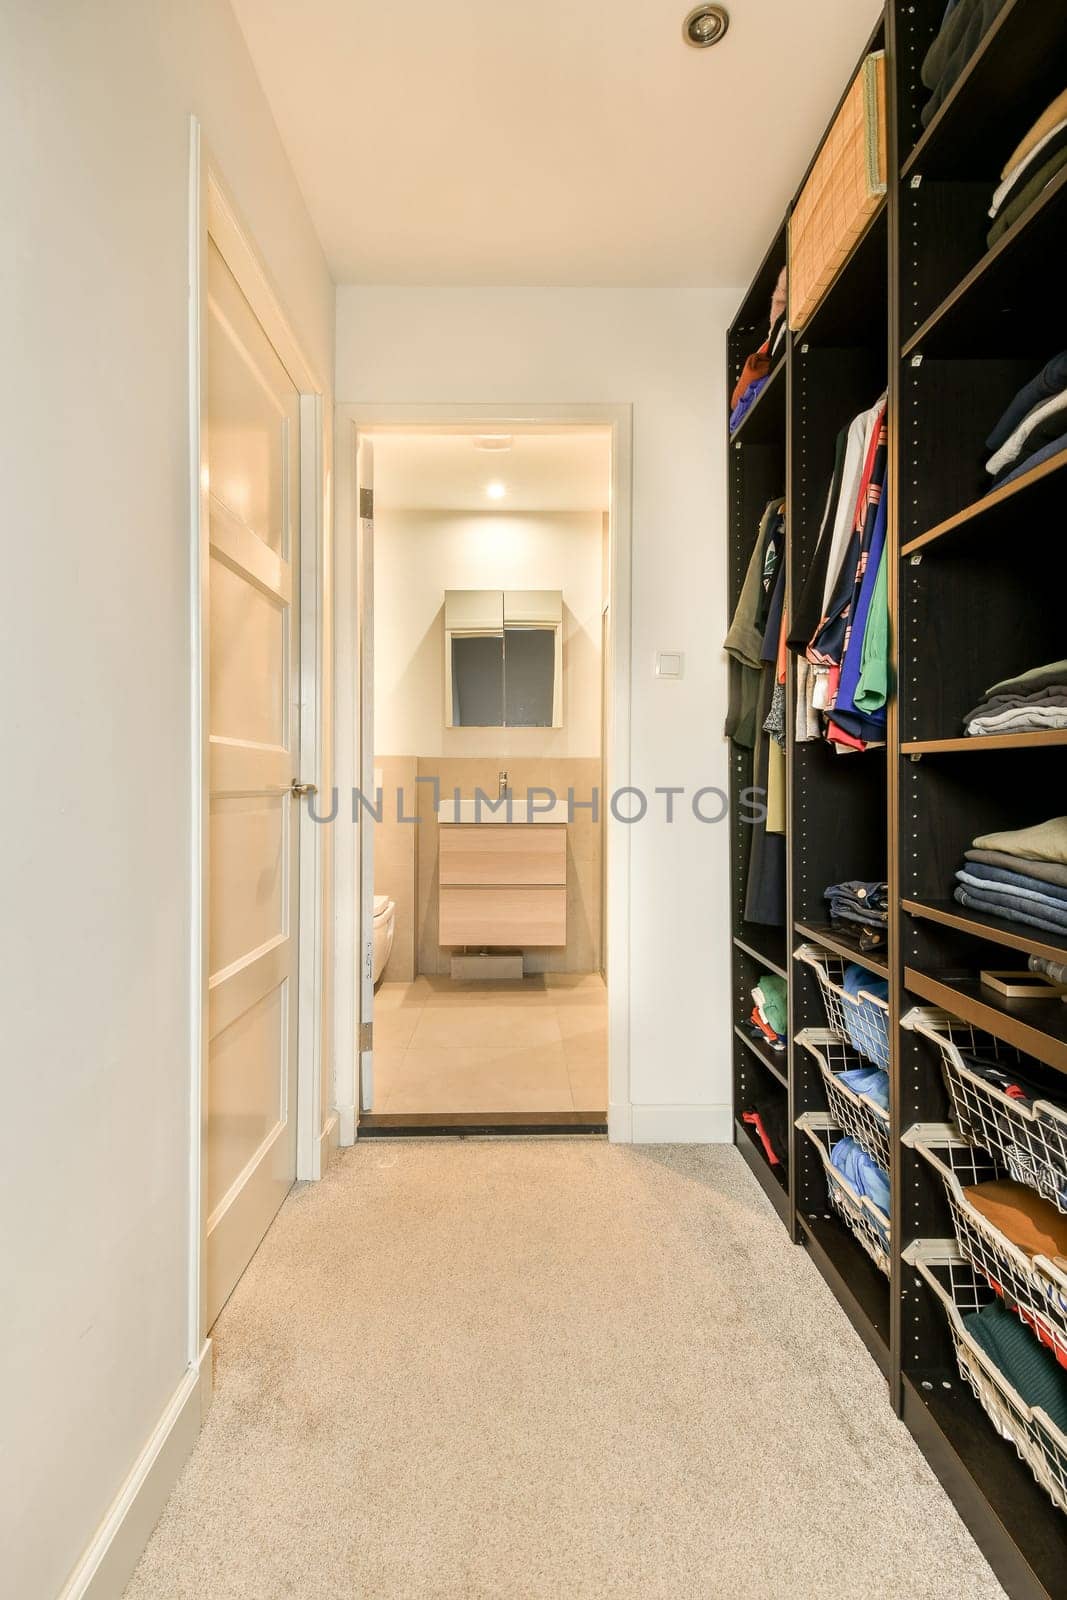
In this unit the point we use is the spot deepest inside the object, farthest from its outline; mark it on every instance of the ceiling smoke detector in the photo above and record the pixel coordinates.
(704, 26)
(492, 441)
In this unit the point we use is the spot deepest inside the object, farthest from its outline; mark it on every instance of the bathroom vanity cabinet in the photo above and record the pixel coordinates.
(502, 884)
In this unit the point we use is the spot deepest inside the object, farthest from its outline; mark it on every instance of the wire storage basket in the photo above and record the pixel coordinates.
(862, 1020)
(869, 1225)
(961, 1290)
(1028, 1136)
(1034, 1287)
(860, 1117)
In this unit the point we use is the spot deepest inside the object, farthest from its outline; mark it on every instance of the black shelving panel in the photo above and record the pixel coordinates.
(951, 328)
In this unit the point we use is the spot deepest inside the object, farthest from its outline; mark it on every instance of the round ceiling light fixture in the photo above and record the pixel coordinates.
(705, 25)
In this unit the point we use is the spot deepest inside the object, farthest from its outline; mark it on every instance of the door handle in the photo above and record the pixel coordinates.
(302, 788)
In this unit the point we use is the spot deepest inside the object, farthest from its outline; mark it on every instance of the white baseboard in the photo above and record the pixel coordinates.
(346, 1125)
(329, 1139)
(682, 1125)
(115, 1549)
(620, 1123)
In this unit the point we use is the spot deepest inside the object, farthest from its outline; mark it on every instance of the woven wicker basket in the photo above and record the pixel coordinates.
(842, 193)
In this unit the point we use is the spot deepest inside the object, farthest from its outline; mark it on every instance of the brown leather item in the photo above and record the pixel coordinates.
(1022, 1216)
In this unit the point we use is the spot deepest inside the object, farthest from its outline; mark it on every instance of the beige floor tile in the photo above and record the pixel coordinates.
(401, 996)
(585, 981)
(482, 1079)
(395, 1025)
(589, 1085)
(520, 991)
(580, 1022)
(388, 1071)
(445, 1026)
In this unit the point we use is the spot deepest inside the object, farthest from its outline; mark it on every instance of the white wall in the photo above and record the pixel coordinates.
(420, 554)
(95, 101)
(663, 351)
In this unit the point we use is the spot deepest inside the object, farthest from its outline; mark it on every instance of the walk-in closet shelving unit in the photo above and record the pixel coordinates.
(953, 329)
(757, 472)
(975, 574)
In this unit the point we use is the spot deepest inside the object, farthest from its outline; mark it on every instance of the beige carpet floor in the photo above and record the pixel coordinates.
(547, 1369)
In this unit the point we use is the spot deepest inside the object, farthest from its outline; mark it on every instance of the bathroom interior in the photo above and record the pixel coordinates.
(491, 634)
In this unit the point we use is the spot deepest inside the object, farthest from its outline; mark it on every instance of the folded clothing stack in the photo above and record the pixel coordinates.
(1031, 167)
(1020, 875)
(859, 904)
(1032, 1224)
(866, 1022)
(770, 1014)
(864, 1174)
(1034, 700)
(870, 1083)
(964, 26)
(757, 369)
(1033, 1373)
(1033, 428)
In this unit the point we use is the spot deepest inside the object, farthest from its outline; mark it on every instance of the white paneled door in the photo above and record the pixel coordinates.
(253, 455)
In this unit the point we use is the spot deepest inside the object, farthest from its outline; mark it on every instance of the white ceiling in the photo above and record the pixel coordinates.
(576, 142)
(542, 471)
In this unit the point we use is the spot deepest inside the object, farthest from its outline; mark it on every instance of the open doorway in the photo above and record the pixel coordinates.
(485, 566)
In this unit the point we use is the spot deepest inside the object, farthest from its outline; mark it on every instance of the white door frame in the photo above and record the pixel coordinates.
(350, 421)
(213, 214)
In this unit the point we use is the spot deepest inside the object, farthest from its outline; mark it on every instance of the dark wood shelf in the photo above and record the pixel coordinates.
(776, 1064)
(857, 1284)
(1011, 1518)
(852, 312)
(1038, 1027)
(761, 951)
(1043, 739)
(980, 925)
(844, 945)
(1011, 77)
(755, 309)
(770, 1179)
(990, 313)
(1001, 511)
(764, 422)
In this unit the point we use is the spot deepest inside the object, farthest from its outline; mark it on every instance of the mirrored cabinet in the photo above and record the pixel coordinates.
(504, 658)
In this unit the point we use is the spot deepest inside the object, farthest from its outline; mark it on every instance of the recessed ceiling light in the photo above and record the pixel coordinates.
(704, 26)
(492, 441)
(495, 491)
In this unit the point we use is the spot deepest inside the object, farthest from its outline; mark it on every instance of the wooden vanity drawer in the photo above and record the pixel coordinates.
(503, 915)
(528, 854)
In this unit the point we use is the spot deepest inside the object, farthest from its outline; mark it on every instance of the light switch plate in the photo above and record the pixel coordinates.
(669, 663)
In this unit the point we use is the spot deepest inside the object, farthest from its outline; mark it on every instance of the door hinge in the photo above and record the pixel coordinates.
(366, 504)
(366, 1038)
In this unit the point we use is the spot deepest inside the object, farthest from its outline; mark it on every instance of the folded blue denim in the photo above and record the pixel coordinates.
(870, 1082)
(857, 1168)
(1011, 901)
(981, 902)
(1023, 888)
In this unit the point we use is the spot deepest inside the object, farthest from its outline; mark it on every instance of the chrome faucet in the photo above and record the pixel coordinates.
(503, 785)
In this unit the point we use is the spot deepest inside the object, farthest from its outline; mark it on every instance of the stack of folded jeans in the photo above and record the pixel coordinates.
(1033, 428)
(864, 1174)
(1031, 167)
(1019, 875)
(859, 904)
(1034, 700)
